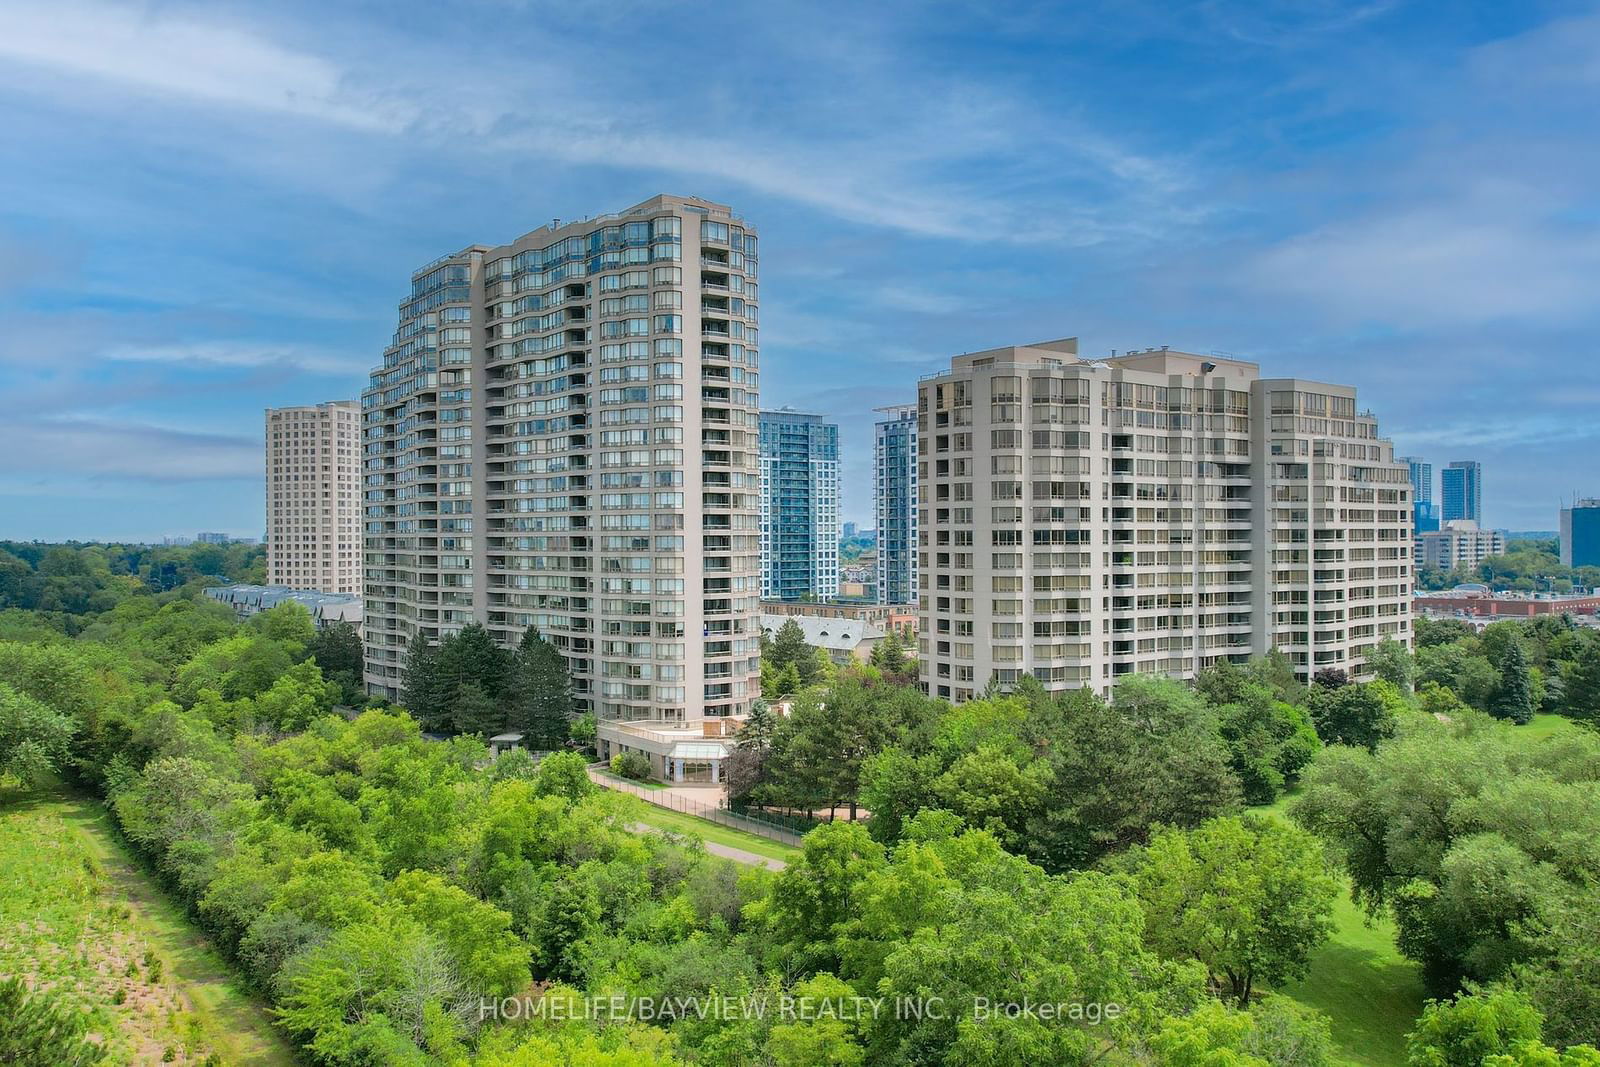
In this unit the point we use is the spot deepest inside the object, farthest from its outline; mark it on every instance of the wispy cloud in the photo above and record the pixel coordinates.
(92, 448)
(957, 158)
(246, 354)
(187, 56)
(231, 196)
(1491, 255)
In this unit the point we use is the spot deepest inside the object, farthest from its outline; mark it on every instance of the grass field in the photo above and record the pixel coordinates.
(78, 915)
(1548, 726)
(691, 826)
(1371, 993)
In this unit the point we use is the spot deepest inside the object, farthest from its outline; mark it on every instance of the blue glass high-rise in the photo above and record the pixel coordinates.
(1461, 491)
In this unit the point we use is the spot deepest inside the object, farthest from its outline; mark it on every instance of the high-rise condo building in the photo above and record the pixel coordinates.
(1424, 513)
(1580, 533)
(313, 459)
(1461, 491)
(799, 506)
(563, 434)
(1150, 513)
(894, 491)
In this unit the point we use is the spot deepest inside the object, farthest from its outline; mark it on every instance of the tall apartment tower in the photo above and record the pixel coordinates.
(1580, 533)
(1461, 491)
(799, 506)
(313, 460)
(1150, 513)
(894, 491)
(563, 434)
(1424, 513)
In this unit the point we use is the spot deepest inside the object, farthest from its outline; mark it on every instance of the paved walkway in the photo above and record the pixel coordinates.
(664, 799)
(737, 855)
(684, 798)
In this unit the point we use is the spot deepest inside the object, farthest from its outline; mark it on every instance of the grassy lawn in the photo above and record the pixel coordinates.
(1548, 726)
(1371, 993)
(629, 781)
(78, 914)
(691, 826)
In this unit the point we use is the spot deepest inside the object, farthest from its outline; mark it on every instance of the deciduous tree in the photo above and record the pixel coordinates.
(35, 739)
(1250, 898)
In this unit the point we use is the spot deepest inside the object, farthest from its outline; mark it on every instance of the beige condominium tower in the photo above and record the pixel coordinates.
(1081, 520)
(313, 457)
(563, 434)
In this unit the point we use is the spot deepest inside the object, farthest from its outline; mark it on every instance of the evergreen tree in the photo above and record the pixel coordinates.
(890, 655)
(541, 699)
(421, 691)
(785, 682)
(1277, 673)
(1581, 682)
(472, 657)
(337, 652)
(337, 649)
(1514, 701)
(788, 646)
(474, 711)
(759, 727)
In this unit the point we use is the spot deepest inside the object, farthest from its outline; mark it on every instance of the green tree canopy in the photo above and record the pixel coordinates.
(1249, 898)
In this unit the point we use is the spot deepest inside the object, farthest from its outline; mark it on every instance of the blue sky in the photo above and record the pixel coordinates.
(209, 208)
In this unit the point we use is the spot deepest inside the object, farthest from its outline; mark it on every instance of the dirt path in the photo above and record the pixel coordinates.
(238, 1025)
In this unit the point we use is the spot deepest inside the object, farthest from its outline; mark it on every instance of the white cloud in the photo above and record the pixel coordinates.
(1475, 208)
(1428, 265)
(244, 354)
(93, 448)
(182, 56)
(937, 156)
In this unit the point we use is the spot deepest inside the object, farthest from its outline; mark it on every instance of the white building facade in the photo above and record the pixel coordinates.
(1080, 521)
(1458, 543)
(313, 482)
(563, 434)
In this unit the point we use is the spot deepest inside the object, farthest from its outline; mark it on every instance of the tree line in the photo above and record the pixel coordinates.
(1512, 669)
(1527, 566)
(790, 666)
(1060, 778)
(62, 586)
(375, 885)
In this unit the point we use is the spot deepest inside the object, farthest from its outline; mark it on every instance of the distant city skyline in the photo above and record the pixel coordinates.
(1138, 177)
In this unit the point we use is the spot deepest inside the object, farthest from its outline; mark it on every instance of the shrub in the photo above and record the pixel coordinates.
(633, 765)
